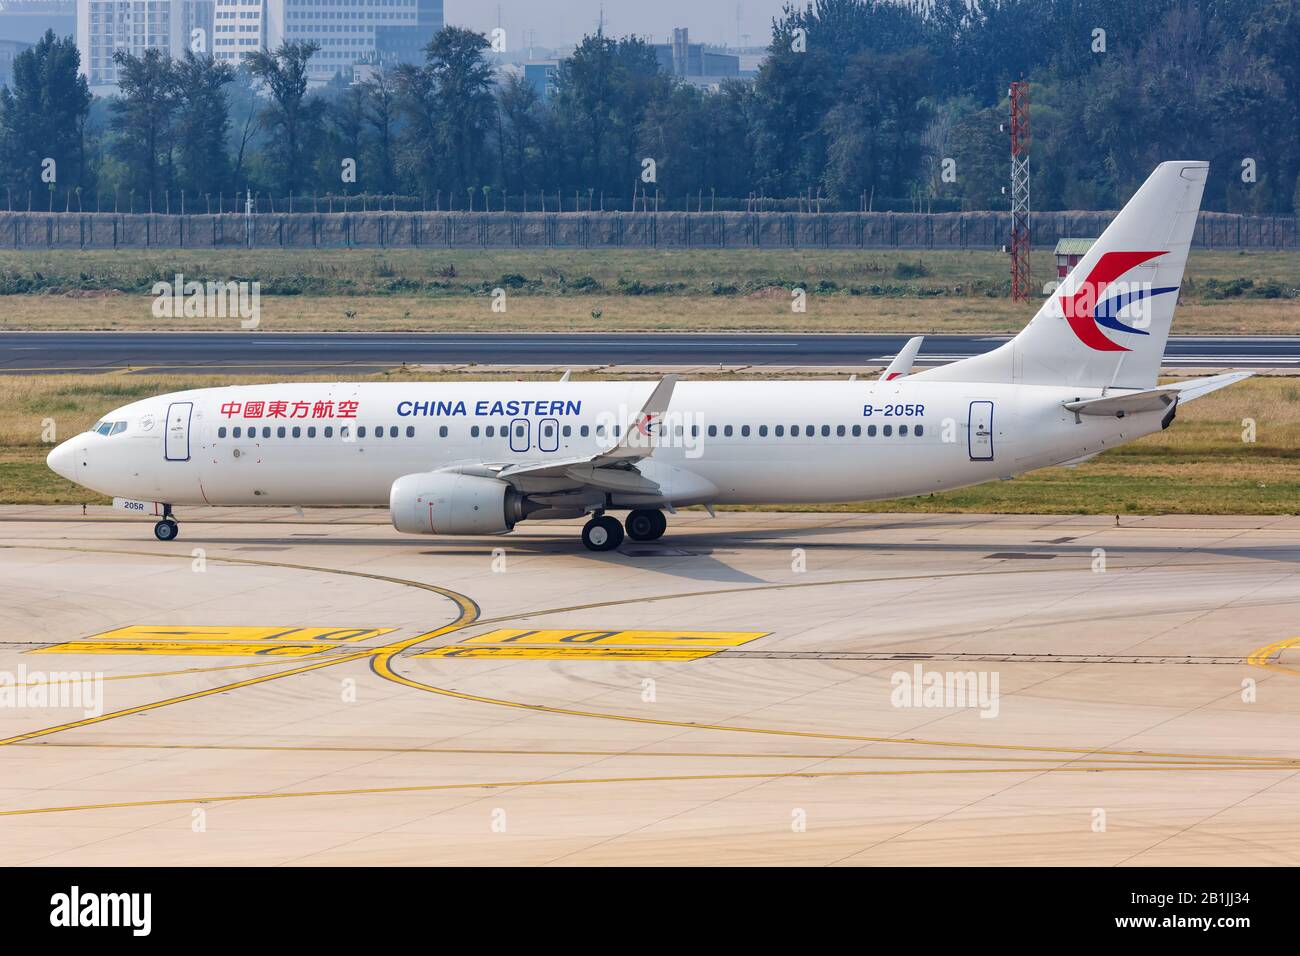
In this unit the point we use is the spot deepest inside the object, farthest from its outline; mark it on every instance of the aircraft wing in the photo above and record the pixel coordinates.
(614, 468)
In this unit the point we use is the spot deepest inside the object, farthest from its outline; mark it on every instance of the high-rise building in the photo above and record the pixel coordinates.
(348, 31)
(106, 27)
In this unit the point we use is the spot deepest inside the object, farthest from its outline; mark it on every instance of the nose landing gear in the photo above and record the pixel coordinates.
(167, 529)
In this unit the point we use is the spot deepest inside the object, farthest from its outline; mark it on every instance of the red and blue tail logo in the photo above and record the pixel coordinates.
(1088, 313)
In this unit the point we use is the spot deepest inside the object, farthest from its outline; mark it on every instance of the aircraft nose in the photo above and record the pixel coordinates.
(62, 460)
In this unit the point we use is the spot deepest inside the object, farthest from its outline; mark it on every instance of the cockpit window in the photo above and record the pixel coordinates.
(118, 428)
(104, 428)
(109, 428)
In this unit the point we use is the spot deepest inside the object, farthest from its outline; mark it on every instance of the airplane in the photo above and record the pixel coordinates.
(476, 459)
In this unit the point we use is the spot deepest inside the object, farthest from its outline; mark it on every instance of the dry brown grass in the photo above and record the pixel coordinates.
(604, 313)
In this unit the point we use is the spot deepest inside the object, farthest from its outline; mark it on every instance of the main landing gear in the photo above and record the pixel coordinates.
(645, 525)
(167, 529)
(603, 533)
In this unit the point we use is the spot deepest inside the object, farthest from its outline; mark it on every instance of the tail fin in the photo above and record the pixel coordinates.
(1106, 325)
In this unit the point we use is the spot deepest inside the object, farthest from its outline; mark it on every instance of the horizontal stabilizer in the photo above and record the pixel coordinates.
(1155, 399)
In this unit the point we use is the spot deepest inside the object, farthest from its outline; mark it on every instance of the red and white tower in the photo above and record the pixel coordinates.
(1019, 245)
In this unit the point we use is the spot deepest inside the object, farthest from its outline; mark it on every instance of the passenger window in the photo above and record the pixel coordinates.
(489, 431)
(361, 431)
(379, 431)
(871, 431)
(344, 431)
(762, 431)
(585, 431)
(297, 432)
(442, 431)
(794, 431)
(410, 431)
(744, 431)
(567, 431)
(839, 430)
(826, 431)
(548, 430)
(726, 430)
(329, 431)
(600, 431)
(857, 430)
(902, 429)
(780, 430)
(811, 430)
(392, 431)
(279, 432)
(311, 431)
(618, 430)
(266, 431)
(221, 432)
(889, 430)
(473, 431)
(237, 431)
(919, 431)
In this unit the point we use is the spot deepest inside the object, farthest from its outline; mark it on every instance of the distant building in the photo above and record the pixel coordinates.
(543, 76)
(1068, 254)
(107, 27)
(348, 31)
(695, 61)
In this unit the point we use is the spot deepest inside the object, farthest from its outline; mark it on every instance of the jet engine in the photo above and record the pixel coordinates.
(449, 503)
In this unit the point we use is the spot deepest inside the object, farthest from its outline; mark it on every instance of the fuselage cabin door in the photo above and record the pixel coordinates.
(519, 437)
(176, 444)
(979, 436)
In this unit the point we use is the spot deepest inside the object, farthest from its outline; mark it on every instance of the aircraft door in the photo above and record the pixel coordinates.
(519, 435)
(176, 444)
(979, 432)
(548, 434)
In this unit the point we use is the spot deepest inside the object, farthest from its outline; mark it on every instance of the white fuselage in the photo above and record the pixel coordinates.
(720, 442)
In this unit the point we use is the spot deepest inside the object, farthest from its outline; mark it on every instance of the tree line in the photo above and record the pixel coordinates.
(859, 104)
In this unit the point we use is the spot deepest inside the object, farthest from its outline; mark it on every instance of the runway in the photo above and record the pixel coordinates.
(338, 353)
(317, 689)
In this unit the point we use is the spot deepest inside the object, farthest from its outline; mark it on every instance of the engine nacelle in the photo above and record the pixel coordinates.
(449, 503)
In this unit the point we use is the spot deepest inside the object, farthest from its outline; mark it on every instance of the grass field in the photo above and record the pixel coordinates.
(1201, 465)
(608, 290)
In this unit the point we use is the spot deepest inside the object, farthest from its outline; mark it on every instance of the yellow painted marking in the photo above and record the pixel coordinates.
(214, 640)
(184, 649)
(236, 634)
(568, 644)
(577, 653)
(637, 638)
(1262, 657)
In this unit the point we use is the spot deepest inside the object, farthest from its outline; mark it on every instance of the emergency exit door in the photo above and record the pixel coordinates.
(176, 443)
(520, 434)
(979, 432)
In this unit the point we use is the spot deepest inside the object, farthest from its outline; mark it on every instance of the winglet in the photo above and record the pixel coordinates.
(901, 366)
(637, 439)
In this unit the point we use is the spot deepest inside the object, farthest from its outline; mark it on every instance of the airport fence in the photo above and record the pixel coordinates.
(706, 230)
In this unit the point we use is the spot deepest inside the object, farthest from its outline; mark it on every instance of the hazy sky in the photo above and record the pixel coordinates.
(563, 22)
